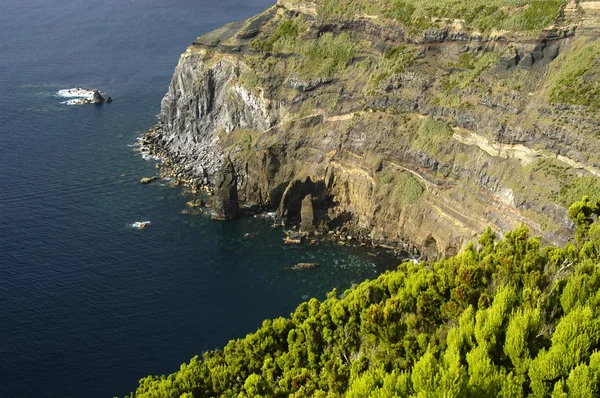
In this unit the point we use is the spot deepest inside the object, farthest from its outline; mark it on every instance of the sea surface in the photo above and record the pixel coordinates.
(89, 304)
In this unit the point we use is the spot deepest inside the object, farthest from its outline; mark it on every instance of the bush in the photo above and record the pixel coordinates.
(432, 135)
(424, 330)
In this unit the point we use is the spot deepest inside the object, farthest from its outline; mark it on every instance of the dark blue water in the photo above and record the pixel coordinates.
(88, 305)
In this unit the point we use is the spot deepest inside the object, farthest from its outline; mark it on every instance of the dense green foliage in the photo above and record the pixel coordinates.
(484, 15)
(506, 319)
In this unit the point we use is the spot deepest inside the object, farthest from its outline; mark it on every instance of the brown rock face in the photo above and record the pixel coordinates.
(420, 154)
(225, 200)
(307, 215)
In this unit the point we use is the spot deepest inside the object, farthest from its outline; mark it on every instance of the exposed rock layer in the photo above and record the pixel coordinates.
(361, 149)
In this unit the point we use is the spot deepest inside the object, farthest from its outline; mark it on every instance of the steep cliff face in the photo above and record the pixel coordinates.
(417, 138)
(201, 105)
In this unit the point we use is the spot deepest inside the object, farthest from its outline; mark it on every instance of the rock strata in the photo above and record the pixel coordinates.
(420, 157)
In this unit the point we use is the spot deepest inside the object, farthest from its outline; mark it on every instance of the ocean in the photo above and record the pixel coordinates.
(89, 304)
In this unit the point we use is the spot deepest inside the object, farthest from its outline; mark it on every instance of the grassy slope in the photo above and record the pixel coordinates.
(483, 15)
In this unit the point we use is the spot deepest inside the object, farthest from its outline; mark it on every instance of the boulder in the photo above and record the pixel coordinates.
(225, 200)
(292, 238)
(195, 203)
(148, 180)
(98, 98)
(307, 216)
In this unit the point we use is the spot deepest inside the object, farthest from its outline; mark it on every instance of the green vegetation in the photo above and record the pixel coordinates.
(402, 188)
(393, 62)
(577, 82)
(286, 30)
(509, 319)
(327, 55)
(240, 142)
(321, 57)
(249, 79)
(432, 135)
(474, 64)
(579, 187)
(484, 15)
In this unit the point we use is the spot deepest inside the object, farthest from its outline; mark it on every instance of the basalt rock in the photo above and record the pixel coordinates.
(307, 215)
(245, 120)
(97, 98)
(225, 204)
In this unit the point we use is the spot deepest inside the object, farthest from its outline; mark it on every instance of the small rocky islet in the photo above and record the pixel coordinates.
(83, 96)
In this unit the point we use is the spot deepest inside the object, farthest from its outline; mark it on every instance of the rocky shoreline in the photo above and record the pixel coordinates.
(206, 200)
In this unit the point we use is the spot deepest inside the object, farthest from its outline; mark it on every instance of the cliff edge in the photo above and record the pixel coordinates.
(410, 124)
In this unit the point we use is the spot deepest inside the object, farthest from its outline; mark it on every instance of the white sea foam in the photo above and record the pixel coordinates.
(77, 92)
(147, 156)
(77, 95)
(268, 214)
(140, 224)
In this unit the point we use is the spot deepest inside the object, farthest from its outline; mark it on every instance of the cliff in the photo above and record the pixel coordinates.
(416, 132)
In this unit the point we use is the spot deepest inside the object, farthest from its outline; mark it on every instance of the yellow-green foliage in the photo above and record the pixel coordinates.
(577, 82)
(241, 142)
(286, 30)
(249, 79)
(321, 57)
(394, 61)
(475, 64)
(432, 135)
(579, 187)
(484, 15)
(402, 188)
(508, 320)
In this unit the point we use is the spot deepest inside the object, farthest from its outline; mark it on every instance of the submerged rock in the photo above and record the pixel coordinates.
(292, 238)
(307, 265)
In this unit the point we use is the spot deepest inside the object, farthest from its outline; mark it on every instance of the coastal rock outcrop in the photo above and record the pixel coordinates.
(97, 98)
(148, 180)
(417, 141)
(307, 215)
(224, 203)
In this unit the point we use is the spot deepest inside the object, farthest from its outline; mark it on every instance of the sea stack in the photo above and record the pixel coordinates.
(225, 200)
(307, 215)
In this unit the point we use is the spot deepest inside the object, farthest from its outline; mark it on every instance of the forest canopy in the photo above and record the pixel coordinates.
(505, 318)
